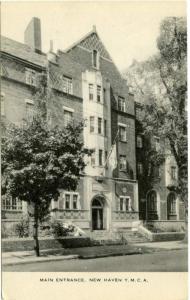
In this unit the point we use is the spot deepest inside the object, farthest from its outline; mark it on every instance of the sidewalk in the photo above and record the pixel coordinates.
(171, 245)
(23, 257)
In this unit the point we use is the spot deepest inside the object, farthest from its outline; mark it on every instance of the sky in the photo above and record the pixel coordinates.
(128, 29)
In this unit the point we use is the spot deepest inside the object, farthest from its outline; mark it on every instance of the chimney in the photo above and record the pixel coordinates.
(32, 35)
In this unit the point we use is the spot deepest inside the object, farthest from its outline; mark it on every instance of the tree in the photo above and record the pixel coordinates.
(161, 84)
(38, 161)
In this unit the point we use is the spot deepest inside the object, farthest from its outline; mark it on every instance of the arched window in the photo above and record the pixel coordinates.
(152, 201)
(171, 203)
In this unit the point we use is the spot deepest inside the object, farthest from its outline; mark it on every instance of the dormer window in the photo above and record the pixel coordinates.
(95, 59)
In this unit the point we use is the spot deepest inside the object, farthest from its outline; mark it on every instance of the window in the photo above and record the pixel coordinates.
(91, 124)
(121, 202)
(67, 201)
(93, 158)
(173, 173)
(122, 162)
(67, 85)
(127, 204)
(99, 125)
(67, 115)
(75, 201)
(106, 155)
(91, 91)
(105, 127)
(121, 104)
(124, 203)
(30, 76)
(99, 93)
(152, 201)
(95, 58)
(100, 158)
(171, 201)
(29, 110)
(104, 90)
(139, 141)
(140, 168)
(2, 104)
(9, 203)
(122, 134)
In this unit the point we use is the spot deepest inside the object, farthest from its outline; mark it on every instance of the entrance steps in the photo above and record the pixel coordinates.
(123, 236)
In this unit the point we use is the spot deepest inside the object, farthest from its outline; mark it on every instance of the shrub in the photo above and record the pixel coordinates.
(59, 229)
(22, 228)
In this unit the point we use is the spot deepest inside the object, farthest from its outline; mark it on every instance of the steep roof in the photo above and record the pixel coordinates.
(91, 41)
(22, 51)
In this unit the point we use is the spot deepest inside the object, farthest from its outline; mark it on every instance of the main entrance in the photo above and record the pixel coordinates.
(97, 214)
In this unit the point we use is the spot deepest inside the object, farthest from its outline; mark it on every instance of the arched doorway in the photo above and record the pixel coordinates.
(97, 213)
(171, 206)
(152, 210)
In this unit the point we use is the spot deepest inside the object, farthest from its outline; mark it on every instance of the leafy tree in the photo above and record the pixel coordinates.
(161, 85)
(38, 161)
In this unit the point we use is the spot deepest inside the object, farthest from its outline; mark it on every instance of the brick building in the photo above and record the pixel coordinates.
(158, 202)
(84, 84)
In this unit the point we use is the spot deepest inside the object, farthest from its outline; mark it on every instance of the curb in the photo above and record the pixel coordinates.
(109, 255)
(40, 259)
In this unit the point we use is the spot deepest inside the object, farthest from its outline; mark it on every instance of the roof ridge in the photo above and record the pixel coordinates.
(81, 39)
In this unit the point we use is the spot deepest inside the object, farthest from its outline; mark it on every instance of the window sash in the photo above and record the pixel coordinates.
(122, 134)
(67, 116)
(100, 157)
(105, 127)
(67, 85)
(67, 201)
(75, 201)
(91, 124)
(99, 125)
(121, 104)
(95, 58)
(98, 93)
(91, 91)
(122, 162)
(11, 204)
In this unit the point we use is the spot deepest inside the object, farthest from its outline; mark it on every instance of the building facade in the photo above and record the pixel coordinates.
(85, 85)
(158, 201)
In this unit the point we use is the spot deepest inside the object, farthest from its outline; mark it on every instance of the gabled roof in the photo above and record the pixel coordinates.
(22, 51)
(91, 41)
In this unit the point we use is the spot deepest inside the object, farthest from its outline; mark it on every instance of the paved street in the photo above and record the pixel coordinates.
(163, 261)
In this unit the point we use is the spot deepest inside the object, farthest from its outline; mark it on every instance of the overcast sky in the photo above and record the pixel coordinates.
(128, 29)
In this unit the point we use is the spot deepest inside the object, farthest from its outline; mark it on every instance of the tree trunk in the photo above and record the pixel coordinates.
(35, 233)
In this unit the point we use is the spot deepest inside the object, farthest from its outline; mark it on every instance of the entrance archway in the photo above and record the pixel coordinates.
(98, 213)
